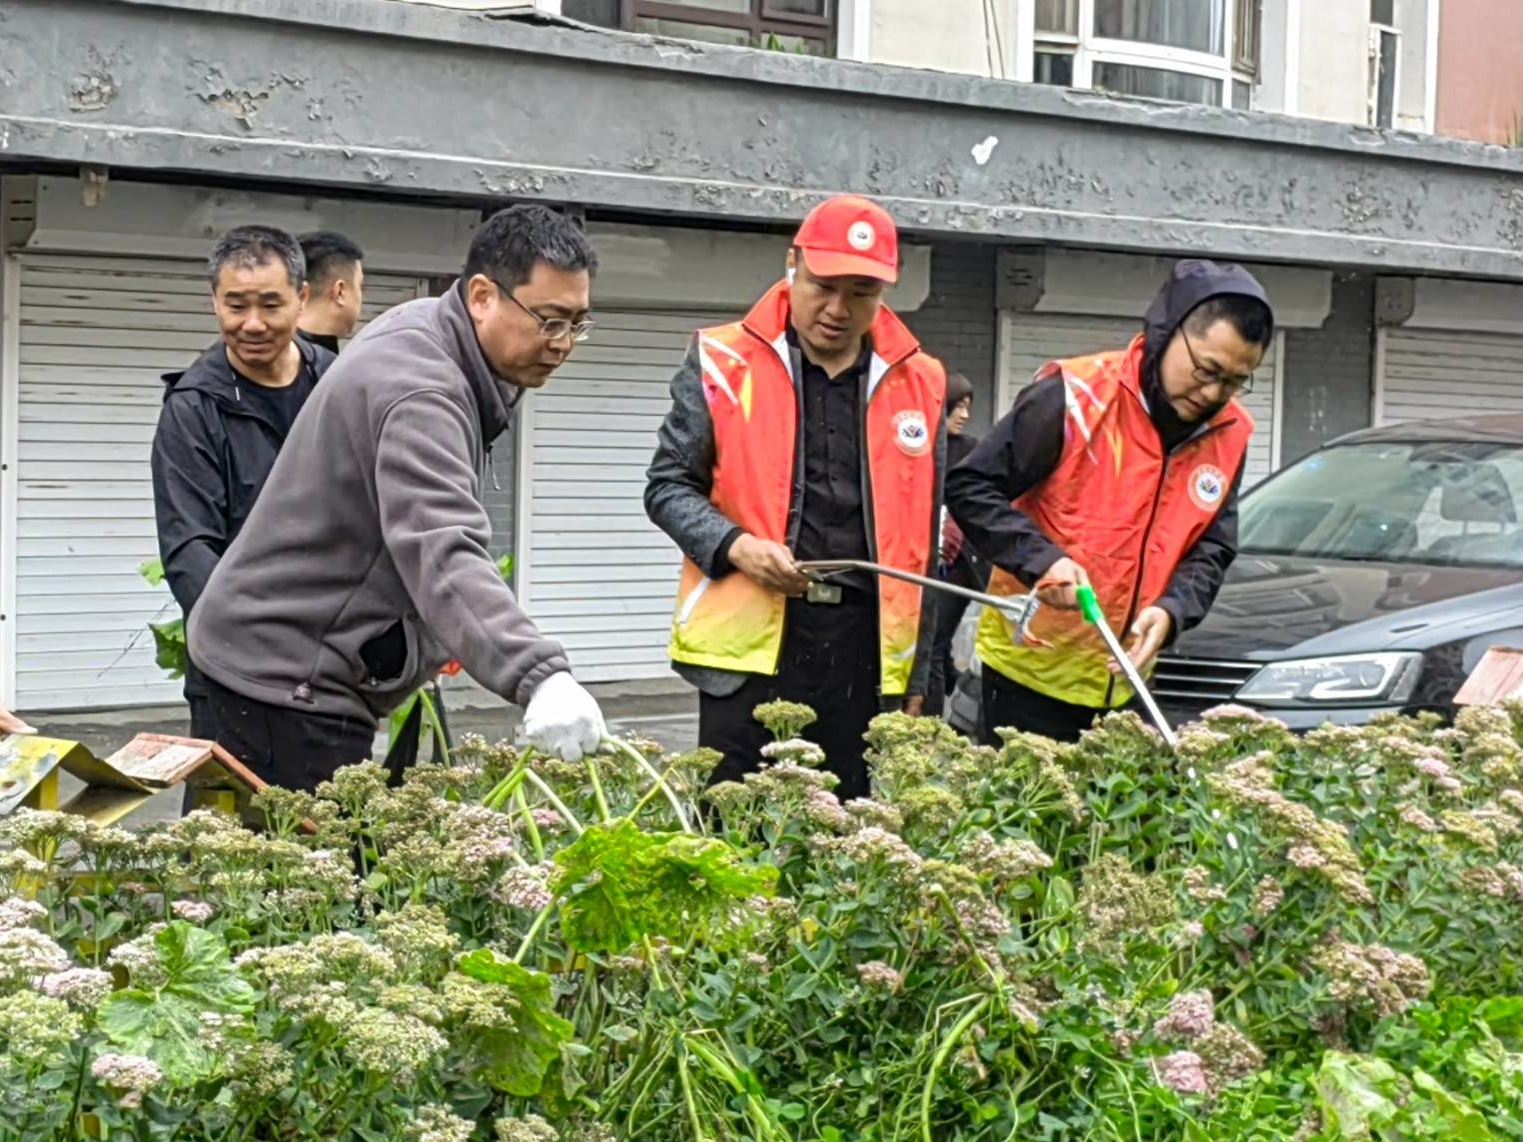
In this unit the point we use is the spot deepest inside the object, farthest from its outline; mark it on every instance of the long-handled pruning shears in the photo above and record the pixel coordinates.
(1089, 607)
(1021, 609)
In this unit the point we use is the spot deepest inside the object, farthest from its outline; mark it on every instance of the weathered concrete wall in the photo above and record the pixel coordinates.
(408, 100)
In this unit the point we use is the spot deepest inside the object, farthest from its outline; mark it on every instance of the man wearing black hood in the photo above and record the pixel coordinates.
(225, 418)
(1119, 470)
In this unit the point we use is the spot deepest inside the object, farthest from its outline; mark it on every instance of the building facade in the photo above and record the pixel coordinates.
(1038, 221)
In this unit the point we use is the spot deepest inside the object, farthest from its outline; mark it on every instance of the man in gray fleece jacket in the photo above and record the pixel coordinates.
(363, 568)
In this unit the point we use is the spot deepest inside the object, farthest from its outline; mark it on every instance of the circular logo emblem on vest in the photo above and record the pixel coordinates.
(911, 433)
(861, 235)
(1208, 484)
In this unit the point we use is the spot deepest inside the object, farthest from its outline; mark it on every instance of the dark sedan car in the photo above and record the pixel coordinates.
(1372, 575)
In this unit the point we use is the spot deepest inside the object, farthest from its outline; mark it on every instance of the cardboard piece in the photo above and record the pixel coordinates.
(1496, 678)
(119, 784)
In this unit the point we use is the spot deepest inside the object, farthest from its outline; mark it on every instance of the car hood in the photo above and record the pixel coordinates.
(1279, 606)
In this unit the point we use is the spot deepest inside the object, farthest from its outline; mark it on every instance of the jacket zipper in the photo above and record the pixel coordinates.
(1147, 534)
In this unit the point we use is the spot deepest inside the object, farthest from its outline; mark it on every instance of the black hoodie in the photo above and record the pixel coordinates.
(1024, 449)
(211, 454)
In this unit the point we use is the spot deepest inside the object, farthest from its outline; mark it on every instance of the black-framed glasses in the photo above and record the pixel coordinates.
(552, 328)
(1231, 386)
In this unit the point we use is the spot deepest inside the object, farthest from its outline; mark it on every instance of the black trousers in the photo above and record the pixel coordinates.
(943, 677)
(283, 746)
(1007, 704)
(829, 662)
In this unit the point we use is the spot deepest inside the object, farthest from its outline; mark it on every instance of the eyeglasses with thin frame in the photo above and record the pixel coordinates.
(552, 328)
(1231, 386)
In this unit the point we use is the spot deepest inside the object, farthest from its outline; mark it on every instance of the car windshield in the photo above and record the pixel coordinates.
(1451, 503)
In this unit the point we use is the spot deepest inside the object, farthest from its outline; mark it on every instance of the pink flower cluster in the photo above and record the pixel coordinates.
(1191, 1015)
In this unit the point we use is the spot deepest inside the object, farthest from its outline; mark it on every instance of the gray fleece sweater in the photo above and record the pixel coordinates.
(370, 533)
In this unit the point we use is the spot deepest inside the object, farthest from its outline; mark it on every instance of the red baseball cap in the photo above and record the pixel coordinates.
(850, 237)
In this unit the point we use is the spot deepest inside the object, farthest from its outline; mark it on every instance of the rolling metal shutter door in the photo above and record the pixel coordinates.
(594, 573)
(96, 335)
(1427, 374)
(1036, 339)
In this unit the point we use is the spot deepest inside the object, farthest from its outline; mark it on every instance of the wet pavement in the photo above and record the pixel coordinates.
(664, 711)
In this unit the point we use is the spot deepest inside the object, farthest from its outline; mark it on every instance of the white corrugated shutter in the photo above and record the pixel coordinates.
(1432, 373)
(1035, 339)
(96, 335)
(594, 573)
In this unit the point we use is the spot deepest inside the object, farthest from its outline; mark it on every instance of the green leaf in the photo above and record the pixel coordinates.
(169, 646)
(165, 1024)
(516, 1059)
(620, 885)
(201, 970)
(1465, 1123)
(162, 1026)
(1353, 1093)
(399, 719)
(505, 568)
(153, 572)
(1504, 1015)
(620, 1033)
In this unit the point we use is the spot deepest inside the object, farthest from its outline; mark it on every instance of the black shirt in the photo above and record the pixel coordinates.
(278, 406)
(325, 340)
(832, 524)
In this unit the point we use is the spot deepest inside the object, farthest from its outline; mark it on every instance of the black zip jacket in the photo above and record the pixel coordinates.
(212, 452)
(1024, 448)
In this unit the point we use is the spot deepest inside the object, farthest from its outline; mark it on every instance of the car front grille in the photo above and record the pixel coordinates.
(1200, 681)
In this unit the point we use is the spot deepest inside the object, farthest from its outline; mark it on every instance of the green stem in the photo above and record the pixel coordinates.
(498, 797)
(534, 838)
(640, 759)
(535, 780)
(597, 788)
(943, 1050)
(687, 1095)
(529, 936)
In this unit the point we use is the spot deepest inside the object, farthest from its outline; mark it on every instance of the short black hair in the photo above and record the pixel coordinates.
(250, 246)
(1251, 317)
(959, 389)
(512, 241)
(330, 255)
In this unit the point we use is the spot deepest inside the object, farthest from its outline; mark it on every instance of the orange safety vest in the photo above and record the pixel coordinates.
(1123, 511)
(753, 400)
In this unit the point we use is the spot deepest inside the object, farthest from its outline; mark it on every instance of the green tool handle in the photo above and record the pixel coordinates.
(1089, 606)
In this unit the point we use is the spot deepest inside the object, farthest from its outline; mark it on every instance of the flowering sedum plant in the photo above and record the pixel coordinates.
(1263, 937)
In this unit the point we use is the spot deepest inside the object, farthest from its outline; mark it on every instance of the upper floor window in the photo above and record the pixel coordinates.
(807, 26)
(1189, 51)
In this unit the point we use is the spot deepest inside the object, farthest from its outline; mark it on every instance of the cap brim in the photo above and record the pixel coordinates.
(829, 264)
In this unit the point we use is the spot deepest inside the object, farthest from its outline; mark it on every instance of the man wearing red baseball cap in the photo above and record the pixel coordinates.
(811, 429)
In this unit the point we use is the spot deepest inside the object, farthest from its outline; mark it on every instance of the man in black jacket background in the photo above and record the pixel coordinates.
(225, 418)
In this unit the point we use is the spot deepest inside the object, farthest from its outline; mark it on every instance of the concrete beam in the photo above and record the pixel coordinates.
(407, 99)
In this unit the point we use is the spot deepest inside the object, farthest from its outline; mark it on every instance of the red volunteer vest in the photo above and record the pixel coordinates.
(732, 623)
(1123, 511)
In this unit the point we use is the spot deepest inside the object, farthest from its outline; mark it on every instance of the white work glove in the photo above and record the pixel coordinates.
(564, 719)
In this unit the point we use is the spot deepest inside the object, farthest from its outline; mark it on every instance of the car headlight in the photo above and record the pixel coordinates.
(1386, 677)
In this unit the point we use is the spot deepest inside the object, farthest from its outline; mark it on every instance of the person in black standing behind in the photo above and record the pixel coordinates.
(960, 564)
(225, 418)
(336, 288)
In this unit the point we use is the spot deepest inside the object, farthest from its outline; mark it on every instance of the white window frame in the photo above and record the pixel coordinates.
(1089, 49)
(1376, 32)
